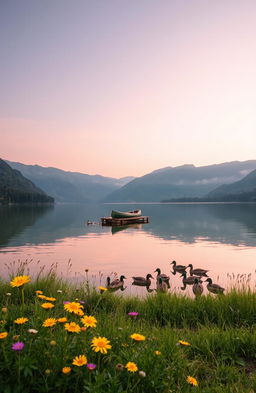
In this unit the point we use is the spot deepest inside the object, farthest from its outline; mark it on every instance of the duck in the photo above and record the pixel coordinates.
(142, 281)
(189, 280)
(214, 288)
(197, 272)
(197, 287)
(116, 284)
(163, 276)
(161, 285)
(178, 268)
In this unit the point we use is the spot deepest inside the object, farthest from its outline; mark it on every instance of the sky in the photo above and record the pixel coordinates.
(124, 87)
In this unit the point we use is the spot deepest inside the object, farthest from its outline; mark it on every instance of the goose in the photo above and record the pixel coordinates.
(161, 285)
(189, 280)
(197, 272)
(116, 284)
(142, 281)
(178, 268)
(197, 287)
(214, 288)
(163, 276)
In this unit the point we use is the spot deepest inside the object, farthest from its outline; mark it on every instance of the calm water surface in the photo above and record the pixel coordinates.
(217, 237)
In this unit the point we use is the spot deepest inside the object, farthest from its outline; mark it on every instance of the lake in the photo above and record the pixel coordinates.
(218, 237)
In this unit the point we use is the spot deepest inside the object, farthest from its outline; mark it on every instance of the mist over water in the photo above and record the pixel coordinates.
(217, 237)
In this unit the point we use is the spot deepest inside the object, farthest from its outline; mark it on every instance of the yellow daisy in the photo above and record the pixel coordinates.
(73, 307)
(19, 281)
(100, 344)
(66, 370)
(89, 321)
(62, 320)
(47, 305)
(138, 337)
(41, 296)
(50, 299)
(80, 360)
(49, 322)
(192, 381)
(183, 343)
(20, 321)
(72, 327)
(132, 367)
(3, 335)
(157, 353)
(102, 289)
(38, 292)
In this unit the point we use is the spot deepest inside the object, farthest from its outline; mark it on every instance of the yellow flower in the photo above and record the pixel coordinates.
(73, 307)
(3, 335)
(62, 320)
(4, 309)
(183, 343)
(47, 305)
(138, 337)
(41, 297)
(39, 292)
(100, 344)
(80, 360)
(89, 321)
(72, 327)
(79, 312)
(53, 343)
(20, 321)
(50, 299)
(66, 370)
(157, 353)
(49, 322)
(16, 337)
(192, 381)
(19, 281)
(132, 367)
(102, 289)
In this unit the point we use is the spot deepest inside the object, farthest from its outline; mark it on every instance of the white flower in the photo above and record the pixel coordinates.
(142, 374)
(59, 291)
(33, 331)
(8, 294)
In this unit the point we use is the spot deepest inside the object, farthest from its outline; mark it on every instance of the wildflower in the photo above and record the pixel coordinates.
(66, 302)
(47, 305)
(4, 309)
(157, 353)
(32, 331)
(72, 307)
(192, 381)
(100, 344)
(8, 294)
(53, 343)
(3, 335)
(132, 367)
(119, 367)
(89, 321)
(102, 289)
(47, 371)
(38, 292)
(60, 291)
(66, 370)
(41, 297)
(16, 337)
(80, 313)
(142, 374)
(62, 320)
(80, 360)
(20, 321)
(49, 322)
(72, 327)
(82, 302)
(138, 337)
(91, 366)
(50, 299)
(19, 281)
(133, 314)
(183, 343)
(18, 346)
(83, 329)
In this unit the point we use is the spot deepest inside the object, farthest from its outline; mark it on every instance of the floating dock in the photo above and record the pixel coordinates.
(112, 222)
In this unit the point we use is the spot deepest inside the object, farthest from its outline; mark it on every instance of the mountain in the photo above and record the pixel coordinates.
(70, 186)
(242, 190)
(186, 181)
(15, 188)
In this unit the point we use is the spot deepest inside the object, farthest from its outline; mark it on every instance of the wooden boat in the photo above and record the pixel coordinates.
(117, 214)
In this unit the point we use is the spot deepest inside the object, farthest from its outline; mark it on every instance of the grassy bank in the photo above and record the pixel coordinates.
(220, 331)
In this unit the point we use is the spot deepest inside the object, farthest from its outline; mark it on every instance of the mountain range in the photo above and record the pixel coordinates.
(229, 181)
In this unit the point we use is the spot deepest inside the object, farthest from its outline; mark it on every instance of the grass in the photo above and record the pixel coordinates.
(221, 332)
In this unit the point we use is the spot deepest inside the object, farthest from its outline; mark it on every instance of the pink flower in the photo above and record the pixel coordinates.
(66, 302)
(133, 314)
(91, 366)
(18, 346)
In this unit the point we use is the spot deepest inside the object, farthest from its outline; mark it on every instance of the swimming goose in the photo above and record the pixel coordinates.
(197, 272)
(142, 281)
(214, 288)
(197, 287)
(161, 285)
(163, 276)
(189, 280)
(178, 268)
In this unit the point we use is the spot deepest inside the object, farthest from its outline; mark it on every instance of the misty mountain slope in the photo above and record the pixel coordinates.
(181, 182)
(70, 186)
(15, 188)
(244, 189)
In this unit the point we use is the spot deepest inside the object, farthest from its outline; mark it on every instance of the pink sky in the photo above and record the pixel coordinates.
(124, 88)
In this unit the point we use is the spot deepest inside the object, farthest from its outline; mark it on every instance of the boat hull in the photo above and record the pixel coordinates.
(117, 214)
